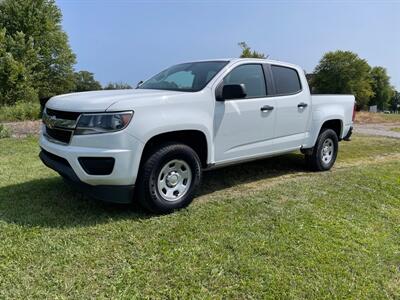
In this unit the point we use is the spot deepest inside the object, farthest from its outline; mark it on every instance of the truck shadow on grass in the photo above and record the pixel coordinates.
(52, 203)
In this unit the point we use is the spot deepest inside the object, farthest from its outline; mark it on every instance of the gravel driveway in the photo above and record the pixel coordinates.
(23, 129)
(383, 129)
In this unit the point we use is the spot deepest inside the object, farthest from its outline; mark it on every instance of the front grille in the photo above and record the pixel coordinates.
(60, 125)
(67, 115)
(61, 135)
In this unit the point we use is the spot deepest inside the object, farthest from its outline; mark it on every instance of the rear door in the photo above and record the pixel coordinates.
(293, 107)
(244, 127)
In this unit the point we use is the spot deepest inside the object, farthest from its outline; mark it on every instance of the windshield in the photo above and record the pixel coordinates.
(188, 77)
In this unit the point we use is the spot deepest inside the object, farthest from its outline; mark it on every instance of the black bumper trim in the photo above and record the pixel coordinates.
(106, 193)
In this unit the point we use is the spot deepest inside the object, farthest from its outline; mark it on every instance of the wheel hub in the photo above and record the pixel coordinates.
(327, 151)
(172, 179)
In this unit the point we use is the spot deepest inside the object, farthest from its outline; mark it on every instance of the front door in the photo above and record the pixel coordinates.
(244, 127)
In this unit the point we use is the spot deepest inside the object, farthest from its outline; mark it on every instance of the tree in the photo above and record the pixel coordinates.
(117, 86)
(247, 53)
(344, 72)
(395, 101)
(85, 81)
(17, 57)
(381, 87)
(40, 23)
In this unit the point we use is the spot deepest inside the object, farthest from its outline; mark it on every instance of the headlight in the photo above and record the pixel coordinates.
(102, 122)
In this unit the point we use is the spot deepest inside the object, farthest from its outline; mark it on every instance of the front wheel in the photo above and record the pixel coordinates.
(169, 178)
(324, 153)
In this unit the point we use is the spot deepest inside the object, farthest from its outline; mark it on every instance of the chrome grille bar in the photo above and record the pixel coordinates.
(59, 130)
(53, 122)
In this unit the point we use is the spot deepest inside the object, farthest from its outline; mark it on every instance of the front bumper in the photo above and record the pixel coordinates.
(120, 146)
(107, 193)
(115, 185)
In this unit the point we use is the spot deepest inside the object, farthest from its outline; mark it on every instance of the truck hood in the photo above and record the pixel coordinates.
(99, 101)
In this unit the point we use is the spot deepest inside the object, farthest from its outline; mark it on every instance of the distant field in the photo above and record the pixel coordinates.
(367, 117)
(263, 230)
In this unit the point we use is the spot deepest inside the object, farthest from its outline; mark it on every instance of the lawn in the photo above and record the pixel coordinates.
(266, 229)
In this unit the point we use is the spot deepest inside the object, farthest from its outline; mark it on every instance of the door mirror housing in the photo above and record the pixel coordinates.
(231, 91)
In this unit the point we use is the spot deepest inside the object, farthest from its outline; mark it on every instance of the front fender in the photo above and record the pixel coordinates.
(147, 126)
(184, 111)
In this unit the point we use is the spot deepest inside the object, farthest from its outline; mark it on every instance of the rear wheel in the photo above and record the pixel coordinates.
(169, 178)
(324, 153)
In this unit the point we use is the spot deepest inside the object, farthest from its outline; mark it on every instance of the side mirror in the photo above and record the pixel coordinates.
(139, 83)
(232, 91)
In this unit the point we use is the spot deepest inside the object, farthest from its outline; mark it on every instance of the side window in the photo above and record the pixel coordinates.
(252, 76)
(286, 80)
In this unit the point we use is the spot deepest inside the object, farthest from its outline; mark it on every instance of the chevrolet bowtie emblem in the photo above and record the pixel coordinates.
(50, 121)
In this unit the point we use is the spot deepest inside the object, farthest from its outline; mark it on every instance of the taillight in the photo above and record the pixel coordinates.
(354, 113)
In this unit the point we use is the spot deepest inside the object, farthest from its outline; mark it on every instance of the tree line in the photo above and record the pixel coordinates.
(344, 72)
(36, 62)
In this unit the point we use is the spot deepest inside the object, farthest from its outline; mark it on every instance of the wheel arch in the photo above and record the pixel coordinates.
(334, 124)
(194, 138)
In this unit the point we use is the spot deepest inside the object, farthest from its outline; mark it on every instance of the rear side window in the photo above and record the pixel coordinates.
(252, 76)
(286, 80)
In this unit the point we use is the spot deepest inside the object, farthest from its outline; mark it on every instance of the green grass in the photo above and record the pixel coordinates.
(397, 129)
(21, 111)
(4, 132)
(391, 117)
(266, 229)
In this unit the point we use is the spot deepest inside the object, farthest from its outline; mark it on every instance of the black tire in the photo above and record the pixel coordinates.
(316, 161)
(148, 192)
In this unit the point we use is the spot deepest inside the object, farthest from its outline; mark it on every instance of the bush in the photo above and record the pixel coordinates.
(117, 86)
(21, 111)
(4, 132)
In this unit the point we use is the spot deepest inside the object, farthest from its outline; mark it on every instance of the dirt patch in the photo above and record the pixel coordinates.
(23, 129)
(26, 128)
(363, 117)
(381, 129)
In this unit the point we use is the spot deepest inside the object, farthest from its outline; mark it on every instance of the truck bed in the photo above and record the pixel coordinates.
(342, 105)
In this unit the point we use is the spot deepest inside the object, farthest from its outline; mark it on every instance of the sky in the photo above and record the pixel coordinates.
(129, 41)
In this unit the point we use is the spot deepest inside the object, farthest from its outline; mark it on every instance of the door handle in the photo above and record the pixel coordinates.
(302, 105)
(266, 108)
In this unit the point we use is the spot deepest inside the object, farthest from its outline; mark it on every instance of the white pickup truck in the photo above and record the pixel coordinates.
(152, 142)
